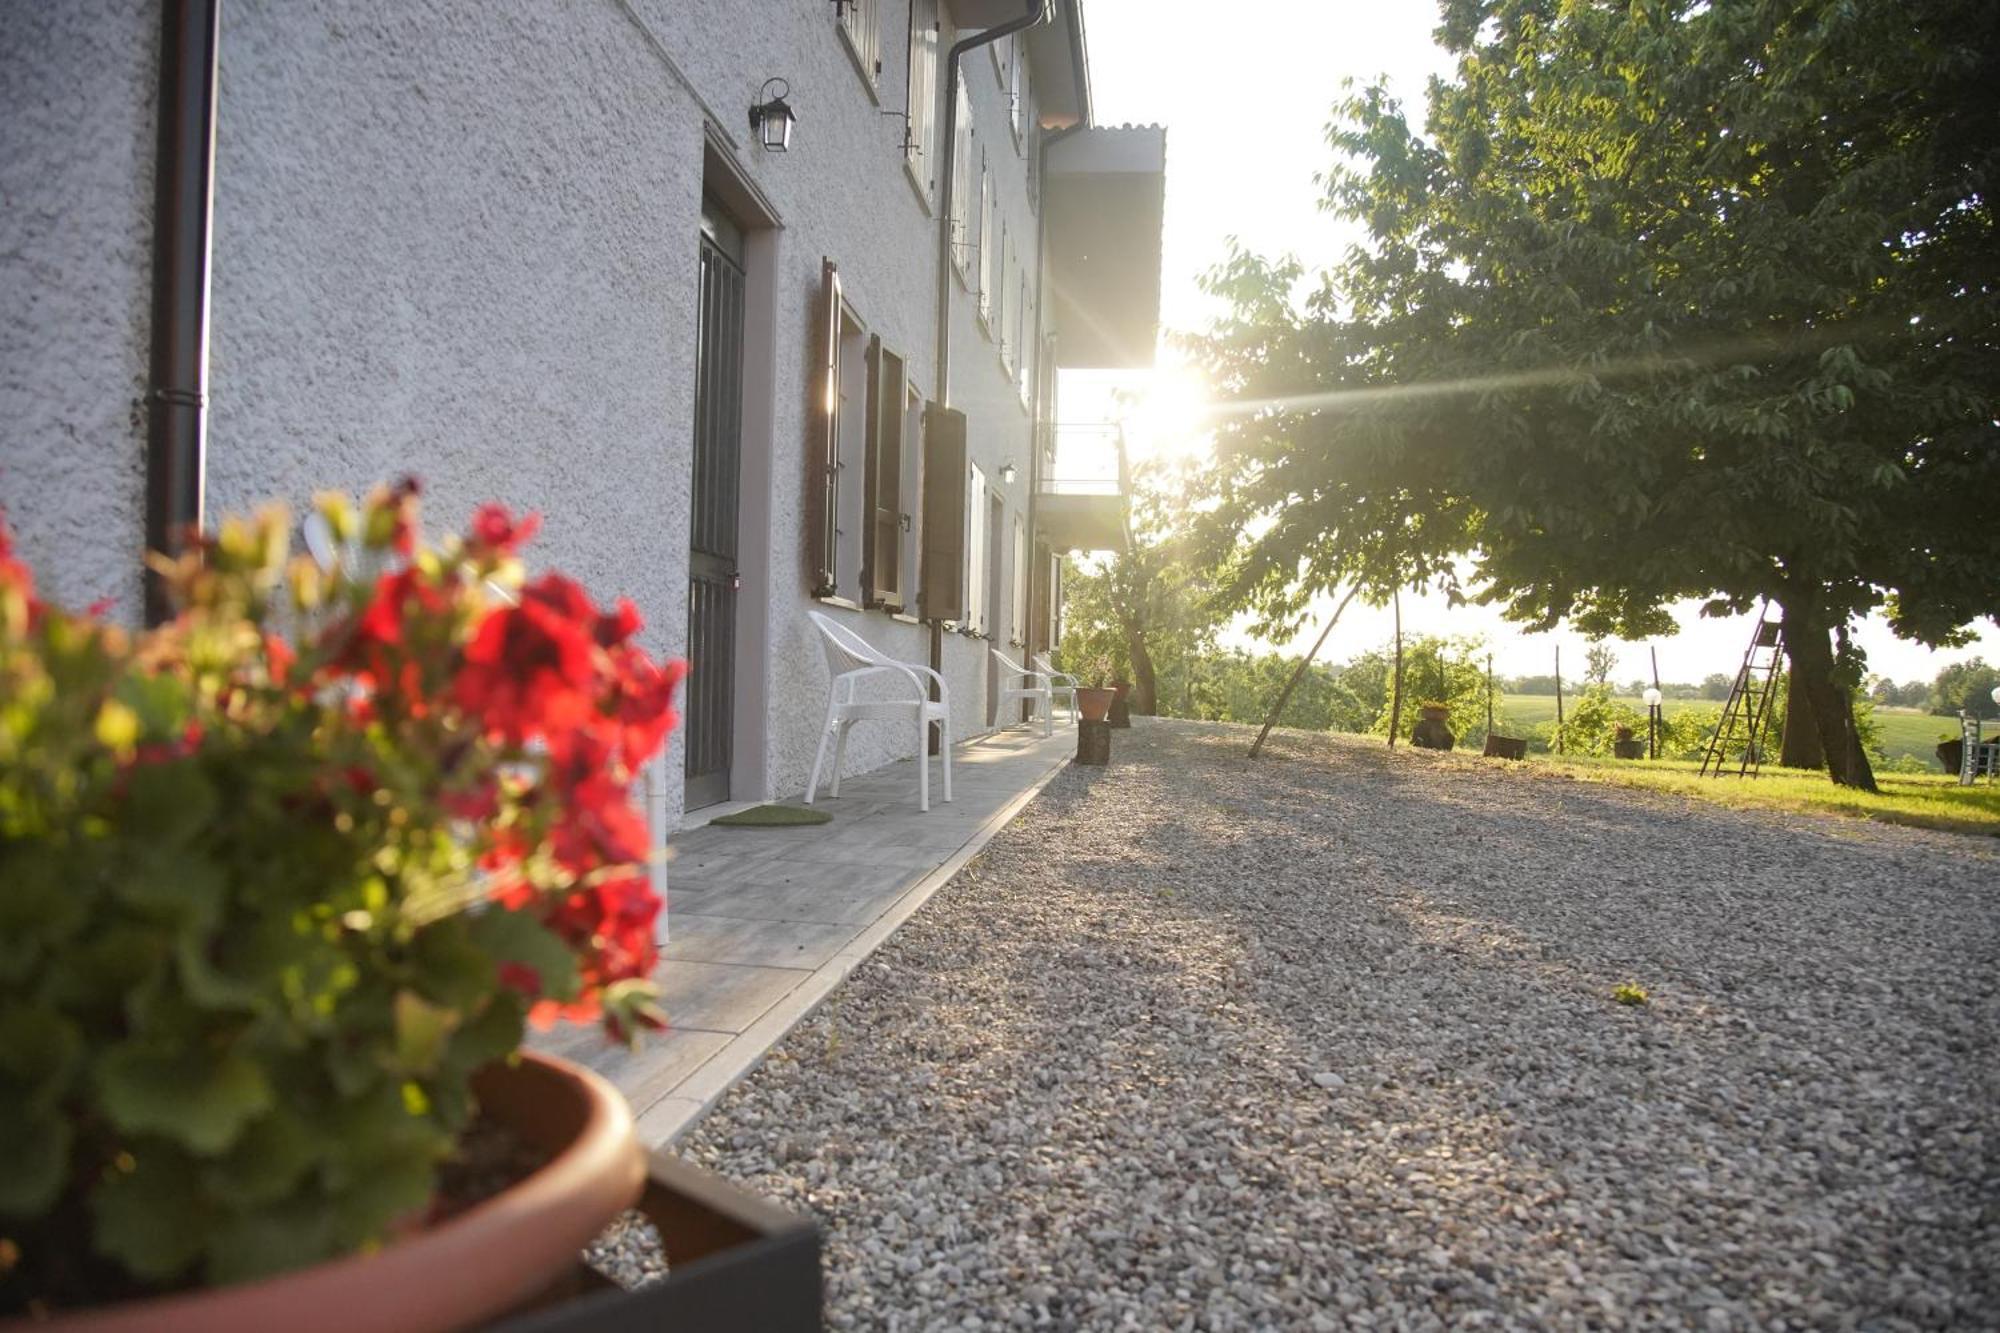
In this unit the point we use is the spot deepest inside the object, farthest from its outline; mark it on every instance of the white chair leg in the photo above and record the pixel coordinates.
(839, 755)
(1047, 704)
(819, 756)
(923, 762)
(944, 748)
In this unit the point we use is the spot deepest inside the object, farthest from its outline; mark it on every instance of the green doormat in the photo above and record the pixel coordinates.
(773, 816)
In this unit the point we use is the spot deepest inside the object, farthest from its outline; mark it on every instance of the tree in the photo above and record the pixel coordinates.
(1965, 687)
(1599, 661)
(1675, 298)
(1149, 610)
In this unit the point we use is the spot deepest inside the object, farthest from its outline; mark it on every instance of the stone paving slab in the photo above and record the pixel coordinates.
(763, 924)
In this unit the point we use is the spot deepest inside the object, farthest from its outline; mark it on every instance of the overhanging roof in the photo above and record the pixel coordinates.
(1056, 52)
(1105, 199)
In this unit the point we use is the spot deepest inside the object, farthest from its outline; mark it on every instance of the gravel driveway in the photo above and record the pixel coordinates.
(1328, 1041)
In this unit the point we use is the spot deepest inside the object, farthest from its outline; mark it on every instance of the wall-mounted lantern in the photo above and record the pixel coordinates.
(1008, 473)
(771, 120)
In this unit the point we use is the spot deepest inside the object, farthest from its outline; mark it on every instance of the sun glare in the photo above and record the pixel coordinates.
(1168, 419)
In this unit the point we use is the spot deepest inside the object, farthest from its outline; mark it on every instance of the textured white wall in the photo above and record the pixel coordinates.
(459, 240)
(77, 85)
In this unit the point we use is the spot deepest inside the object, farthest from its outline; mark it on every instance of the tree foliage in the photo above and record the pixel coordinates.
(1671, 299)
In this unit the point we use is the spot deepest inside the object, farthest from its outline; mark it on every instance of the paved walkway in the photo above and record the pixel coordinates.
(764, 923)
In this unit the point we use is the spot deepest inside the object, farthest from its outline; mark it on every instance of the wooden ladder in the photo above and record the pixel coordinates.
(1748, 713)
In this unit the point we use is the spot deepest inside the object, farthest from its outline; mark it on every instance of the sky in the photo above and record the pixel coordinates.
(1245, 91)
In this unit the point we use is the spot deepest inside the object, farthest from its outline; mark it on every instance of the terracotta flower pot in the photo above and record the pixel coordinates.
(462, 1272)
(1095, 702)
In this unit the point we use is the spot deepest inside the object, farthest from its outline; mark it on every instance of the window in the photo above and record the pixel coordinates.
(1017, 95)
(977, 613)
(861, 24)
(921, 146)
(1022, 335)
(1003, 57)
(1017, 623)
(862, 431)
(989, 218)
(1004, 268)
(882, 486)
(961, 188)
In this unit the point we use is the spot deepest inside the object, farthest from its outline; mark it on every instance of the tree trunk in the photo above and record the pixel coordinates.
(1145, 681)
(1807, 643)
(1801, 747)
(1298, 672)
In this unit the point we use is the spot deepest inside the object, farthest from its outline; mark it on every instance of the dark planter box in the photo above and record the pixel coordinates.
(1633, 749)
(1506, 747)
(736, 1262)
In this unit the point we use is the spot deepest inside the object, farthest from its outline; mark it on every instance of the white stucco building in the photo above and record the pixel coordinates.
(535, 251)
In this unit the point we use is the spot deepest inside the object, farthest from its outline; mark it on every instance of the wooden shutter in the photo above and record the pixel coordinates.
(826, 424)
(942, 575)
(882, 537)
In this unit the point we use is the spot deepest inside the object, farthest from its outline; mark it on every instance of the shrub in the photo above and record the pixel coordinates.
(270, 898)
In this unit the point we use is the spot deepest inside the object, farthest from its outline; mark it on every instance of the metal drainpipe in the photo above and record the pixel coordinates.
(1044, 342)
(1037, 10)
(183, 211)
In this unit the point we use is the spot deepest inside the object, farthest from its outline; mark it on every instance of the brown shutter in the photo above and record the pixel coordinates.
(882, 540)
(943, 573)
(826, 424)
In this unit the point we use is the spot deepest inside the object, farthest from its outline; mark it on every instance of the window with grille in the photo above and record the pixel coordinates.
(861, 24)
(961, 188)
(921, 148)
(989, 218)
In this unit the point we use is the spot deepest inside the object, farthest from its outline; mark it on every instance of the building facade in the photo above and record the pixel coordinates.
(538, 252)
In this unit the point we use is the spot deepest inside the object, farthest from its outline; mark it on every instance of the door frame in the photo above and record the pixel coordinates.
(725, 179)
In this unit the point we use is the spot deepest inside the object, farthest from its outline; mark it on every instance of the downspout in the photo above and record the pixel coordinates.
(1045, 409)
(183, 211)
(1036, 11)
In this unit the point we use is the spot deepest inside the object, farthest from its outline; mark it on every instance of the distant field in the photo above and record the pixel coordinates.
(1904, 730)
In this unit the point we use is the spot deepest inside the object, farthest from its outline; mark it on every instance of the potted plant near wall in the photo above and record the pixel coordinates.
(1094, 700)
(281, 882)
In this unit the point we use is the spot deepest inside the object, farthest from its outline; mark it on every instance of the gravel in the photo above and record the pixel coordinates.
(1329, 1041)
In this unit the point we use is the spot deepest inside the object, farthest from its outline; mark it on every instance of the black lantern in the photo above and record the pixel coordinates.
(772, 119)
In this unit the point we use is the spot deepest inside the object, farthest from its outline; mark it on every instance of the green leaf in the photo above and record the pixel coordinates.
(270, 1241)
(194, 1098)
(515, 937)
(34, 1157)
(167, 804)
(422, 1029)
(152, 1218)
(265, 1163)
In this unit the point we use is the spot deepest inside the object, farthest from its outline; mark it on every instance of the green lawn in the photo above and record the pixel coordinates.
(1927, 801)
(1904, 730)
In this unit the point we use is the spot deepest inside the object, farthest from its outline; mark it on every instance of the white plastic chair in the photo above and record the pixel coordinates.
(1034, 687)
(1059, 683)
(849, 660)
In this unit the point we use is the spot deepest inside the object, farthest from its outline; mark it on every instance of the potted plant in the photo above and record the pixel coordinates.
(1624, 745)
(1094, 699)
(283, 880)
(1433, 728)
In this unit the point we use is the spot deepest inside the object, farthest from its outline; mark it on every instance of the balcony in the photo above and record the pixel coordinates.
(1080, 496)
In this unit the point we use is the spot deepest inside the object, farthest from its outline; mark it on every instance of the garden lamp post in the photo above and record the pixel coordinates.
(1652, 698)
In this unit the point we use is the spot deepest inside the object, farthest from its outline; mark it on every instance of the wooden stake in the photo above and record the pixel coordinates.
(1559, 698)
(1489, 694)
(1396, 702)
(1298, 672)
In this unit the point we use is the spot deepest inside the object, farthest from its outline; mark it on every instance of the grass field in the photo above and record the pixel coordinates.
(1904, 730)
(1926, 801)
